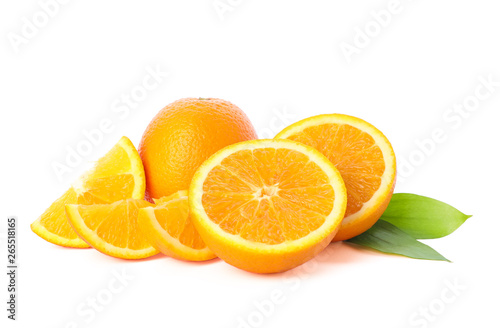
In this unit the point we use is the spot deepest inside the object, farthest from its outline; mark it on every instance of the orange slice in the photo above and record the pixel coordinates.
(166, 199)
(117, 175)
(365, 159)
(168, 227)
(112, 228)
(267, 205)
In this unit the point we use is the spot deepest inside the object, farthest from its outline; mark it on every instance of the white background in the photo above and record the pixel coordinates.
(267, 57)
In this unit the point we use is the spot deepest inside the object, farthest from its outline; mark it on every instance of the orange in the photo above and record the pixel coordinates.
(112, 228)
(168, 227)
(166, 199)
(267, 205)
(117, 175)
(365, 159)
(183, 135)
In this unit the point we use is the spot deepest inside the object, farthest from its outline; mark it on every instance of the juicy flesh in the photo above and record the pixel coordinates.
(54, 218)
(116, 223)
(268, 195)
(354, 153)
(108, 181)
(174, 218)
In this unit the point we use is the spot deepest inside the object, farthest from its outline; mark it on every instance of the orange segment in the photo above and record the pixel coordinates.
(313, 198)
(267, 205)
(364, 158)
(118, 175)
(112, 228)
(168, 227)
(111, 188)
(297, 220)
(107, 165)
(166, 199)
(53, 225)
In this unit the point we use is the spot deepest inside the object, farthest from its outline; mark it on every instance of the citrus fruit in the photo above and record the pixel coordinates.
(117, 175)
(183, 135)
(267, 205)
(168, 227)
(166, 199)
(112, 228)
(364, 158)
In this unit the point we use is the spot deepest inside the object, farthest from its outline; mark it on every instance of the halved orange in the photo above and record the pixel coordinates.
(168, 227)
(112, 228)
(117, 175)
(267, 205)
(365, 159)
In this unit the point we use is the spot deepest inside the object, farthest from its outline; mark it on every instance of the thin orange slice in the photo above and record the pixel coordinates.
(365, 159)
(267, 205)
(112, 228)
(117, 175)
(168, 227)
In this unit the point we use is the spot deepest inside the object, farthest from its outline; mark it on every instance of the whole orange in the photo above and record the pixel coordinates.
(183, 135)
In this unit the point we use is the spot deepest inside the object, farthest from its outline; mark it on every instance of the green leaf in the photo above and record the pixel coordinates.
(423, 217)
(387, 238)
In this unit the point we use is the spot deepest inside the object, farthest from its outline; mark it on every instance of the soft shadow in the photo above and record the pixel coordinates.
(334, 255)
(196, 263)
(342, 253)
(160, 257)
